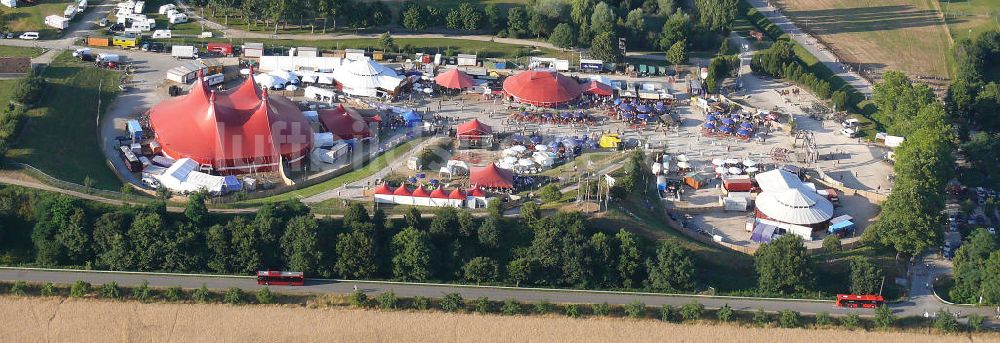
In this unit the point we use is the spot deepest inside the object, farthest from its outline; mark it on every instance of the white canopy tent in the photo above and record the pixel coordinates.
(183, 177)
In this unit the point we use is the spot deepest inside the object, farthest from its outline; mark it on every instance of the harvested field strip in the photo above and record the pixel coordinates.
(59, 319)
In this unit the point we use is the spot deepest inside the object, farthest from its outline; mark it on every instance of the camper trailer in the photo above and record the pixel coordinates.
(58, 22)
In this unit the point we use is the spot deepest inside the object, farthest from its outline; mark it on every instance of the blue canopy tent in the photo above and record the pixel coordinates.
(709, 126)
(644, 108)
(411, 117)
(743, 132)
(746, 125)
(231, 184)
(536, 139)
(625, 107)
(710, 118)
(517, 137)
(660, 107)
(728, 121)
(846, 226)
(727, 129)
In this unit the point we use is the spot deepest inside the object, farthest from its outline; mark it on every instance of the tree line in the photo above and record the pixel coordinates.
(25, 92)
(555, 250)
(780, 61)
(912, 216)
(593, 24)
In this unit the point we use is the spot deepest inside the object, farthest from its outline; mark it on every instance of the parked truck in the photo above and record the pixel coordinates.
(184, 51)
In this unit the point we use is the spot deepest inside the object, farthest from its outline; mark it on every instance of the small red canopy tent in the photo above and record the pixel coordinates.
(344, 123)
(476, 192)
(492, 176)
(454, 79)
(420, 192)
(456, 194)
(383, 189)
(439, 193)
(597, 88)
(402, 191)
(473, 128)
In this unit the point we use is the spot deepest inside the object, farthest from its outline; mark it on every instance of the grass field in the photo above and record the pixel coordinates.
(17, 51)
(60, 136)
(60, 319)
(906, 35)
(31, 17)
(970, 17)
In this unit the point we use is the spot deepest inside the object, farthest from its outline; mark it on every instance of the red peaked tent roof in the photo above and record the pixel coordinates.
(233, 131)
(542, 88)
(492, 176)
(456, 194)
(474, 127)
(438, 194)
(454, 79)
(476, 192)
(383, 189)
(421, 192)
(402, 191)
(344, 123)
(597, 88)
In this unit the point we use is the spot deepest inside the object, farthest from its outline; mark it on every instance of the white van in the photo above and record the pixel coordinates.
(158, 34)
(29, 36)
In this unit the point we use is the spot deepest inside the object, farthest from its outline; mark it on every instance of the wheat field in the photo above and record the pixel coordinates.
(904, 35)
(82, 320)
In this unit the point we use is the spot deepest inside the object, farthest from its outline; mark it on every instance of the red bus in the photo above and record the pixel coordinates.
(280, 278)
(862, 301)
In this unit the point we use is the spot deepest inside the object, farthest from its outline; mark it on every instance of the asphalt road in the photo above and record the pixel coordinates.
(432, 290)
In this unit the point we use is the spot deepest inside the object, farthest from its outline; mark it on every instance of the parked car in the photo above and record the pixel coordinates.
(29, 35)
(10, 35)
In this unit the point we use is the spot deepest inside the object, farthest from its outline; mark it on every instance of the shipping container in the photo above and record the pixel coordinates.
(98, 41)
(223, 49)
(125, 42)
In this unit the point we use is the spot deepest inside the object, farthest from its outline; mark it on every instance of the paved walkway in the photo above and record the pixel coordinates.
(356, 190)
(814, 47)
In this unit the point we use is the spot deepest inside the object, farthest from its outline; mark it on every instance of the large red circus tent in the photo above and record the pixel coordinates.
(240, 130)
(454, 79)
(492, 176)
(542, 88)
(344, 123)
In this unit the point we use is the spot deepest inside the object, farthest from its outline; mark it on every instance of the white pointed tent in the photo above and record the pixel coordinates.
(366, 77)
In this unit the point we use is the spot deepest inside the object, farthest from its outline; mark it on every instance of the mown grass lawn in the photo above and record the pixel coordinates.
(31, 16)
(60, 135)
(18, 51)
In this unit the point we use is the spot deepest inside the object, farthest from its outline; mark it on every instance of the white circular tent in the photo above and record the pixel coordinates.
(366, 78)
(794, 206)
